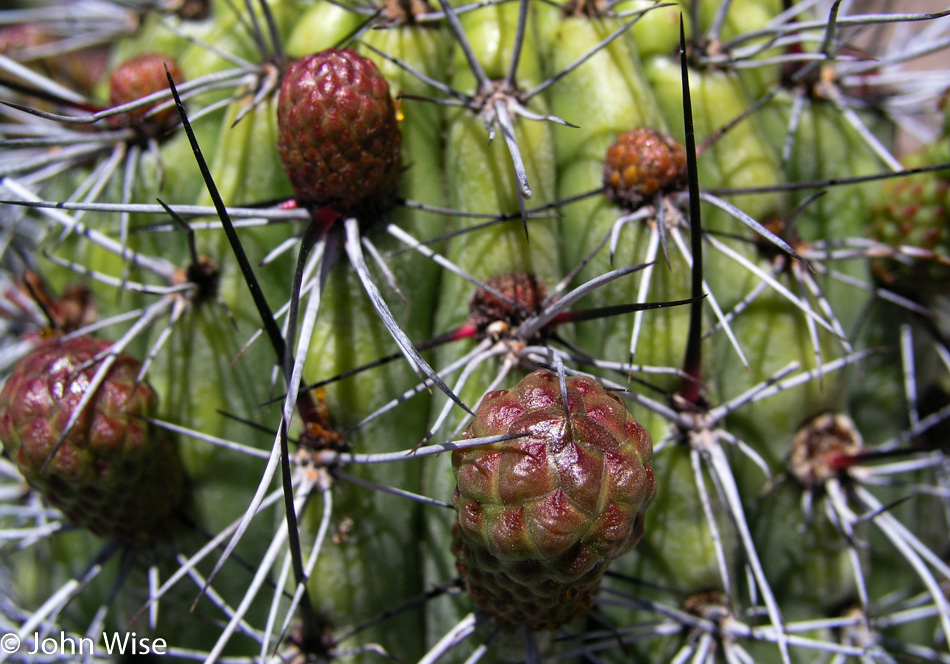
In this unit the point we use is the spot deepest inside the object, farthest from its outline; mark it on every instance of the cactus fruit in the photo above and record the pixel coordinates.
(540, 517)
(506, 183)
(113, 471)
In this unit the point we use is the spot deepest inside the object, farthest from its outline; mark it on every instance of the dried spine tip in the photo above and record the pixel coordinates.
(338, 135)
(823, 448)
(541, 517)
(641, 163)
(115, 473)
(139, 77)
(526, 296)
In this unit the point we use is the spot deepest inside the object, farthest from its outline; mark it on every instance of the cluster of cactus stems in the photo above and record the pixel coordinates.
(496, 331)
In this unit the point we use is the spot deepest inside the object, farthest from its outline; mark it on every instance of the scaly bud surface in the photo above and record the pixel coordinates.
(338, 136)
(541, 517)
(642, 162)
(525, 295)
(115, 473)
(139, 77)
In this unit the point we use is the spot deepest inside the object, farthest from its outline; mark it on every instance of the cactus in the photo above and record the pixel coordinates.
(345, 249)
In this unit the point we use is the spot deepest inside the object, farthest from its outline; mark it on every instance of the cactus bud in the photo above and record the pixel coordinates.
(541, 517)
(115, 473)
(338, 136)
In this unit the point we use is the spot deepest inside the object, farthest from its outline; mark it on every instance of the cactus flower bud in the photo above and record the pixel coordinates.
(338, 136)
(541, 517)
(115, 473)
(642, 162)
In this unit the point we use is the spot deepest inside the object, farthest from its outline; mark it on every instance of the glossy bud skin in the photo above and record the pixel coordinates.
(115, 473)
(339, 140)
(138, 77)
(641, 163)
(541, 517)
